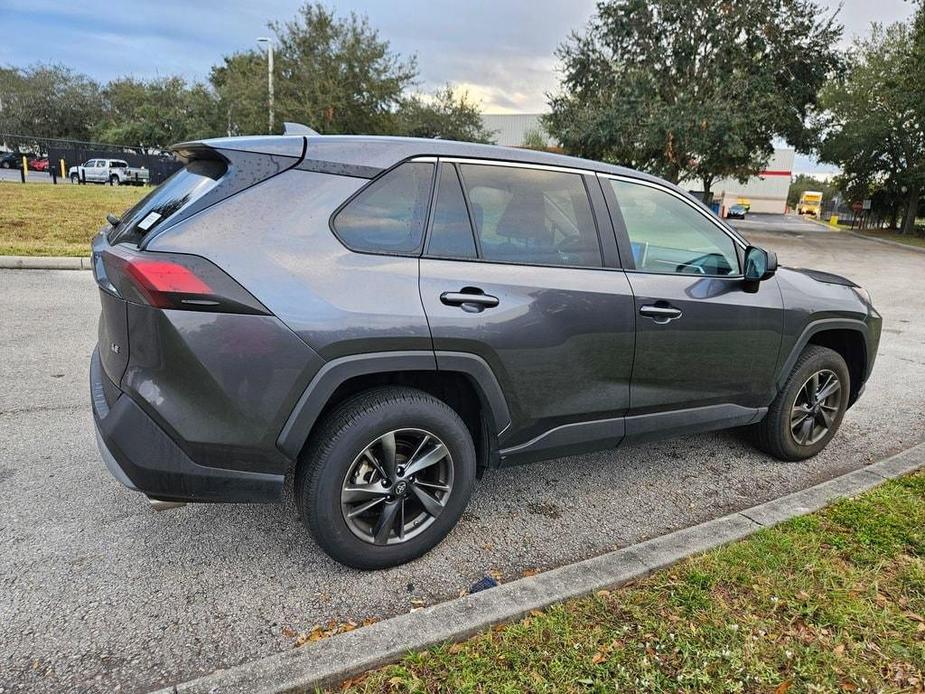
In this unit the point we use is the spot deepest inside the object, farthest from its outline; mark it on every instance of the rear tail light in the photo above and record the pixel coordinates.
(174, 281)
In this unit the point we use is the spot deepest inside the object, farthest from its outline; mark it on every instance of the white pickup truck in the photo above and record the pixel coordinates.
(114, 171)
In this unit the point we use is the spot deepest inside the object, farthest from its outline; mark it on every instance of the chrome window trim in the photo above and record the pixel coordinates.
(704, 212)
(517, 165)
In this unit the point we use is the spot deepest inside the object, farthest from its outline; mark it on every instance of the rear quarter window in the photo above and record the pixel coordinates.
(389, 214)
(185, 186)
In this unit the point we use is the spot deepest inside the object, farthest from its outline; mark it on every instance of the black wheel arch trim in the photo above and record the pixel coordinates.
(316, 395)
(819, 326)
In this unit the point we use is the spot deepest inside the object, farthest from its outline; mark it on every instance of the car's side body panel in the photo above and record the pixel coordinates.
(560, 340)
(275, 239)
(722, 349)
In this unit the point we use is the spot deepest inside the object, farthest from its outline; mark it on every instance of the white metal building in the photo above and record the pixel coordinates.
(511, 128)
(766, 192)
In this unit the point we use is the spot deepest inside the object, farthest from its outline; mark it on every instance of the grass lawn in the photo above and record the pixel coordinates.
(830, 602)
(911, 240)
(40, 219)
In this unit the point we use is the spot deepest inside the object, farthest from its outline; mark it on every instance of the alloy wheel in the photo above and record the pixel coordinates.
(397, 486)
(815, 407)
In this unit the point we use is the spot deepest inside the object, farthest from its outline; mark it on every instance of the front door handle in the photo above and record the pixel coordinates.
(469, 301)
(660, 313)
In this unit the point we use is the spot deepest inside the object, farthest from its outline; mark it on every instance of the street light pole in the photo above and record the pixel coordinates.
(269, 42)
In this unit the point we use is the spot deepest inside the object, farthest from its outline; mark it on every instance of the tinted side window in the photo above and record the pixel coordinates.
(531, 216)
(450, 233)
(668, 236)
(388, 215)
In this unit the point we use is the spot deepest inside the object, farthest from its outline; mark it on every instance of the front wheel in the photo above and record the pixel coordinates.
(114, 180)
(809, 409)
(386, 477)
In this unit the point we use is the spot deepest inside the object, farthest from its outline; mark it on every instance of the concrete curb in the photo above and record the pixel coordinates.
(26, 262)
(330, 661)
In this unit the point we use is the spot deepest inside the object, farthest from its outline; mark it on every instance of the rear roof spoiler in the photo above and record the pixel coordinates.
(276, 145)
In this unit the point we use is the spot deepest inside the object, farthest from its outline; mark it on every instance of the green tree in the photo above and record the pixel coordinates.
(48, 101)
(535, 138)
(445, 114)
(158, 113)
(692, 89)
(873, 125)
(334, 74)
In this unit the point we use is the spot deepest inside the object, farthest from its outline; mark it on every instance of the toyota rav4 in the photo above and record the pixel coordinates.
(384, 318)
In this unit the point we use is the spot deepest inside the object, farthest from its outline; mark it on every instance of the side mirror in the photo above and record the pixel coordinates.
(759, 264)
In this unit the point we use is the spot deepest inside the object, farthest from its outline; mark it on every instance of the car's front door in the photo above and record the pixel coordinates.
(530, 293)
(706, 341)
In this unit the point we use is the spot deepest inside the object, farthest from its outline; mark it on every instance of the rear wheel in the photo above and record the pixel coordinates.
(75, 178)
(386, 477)
(114, 180)
(809, 409)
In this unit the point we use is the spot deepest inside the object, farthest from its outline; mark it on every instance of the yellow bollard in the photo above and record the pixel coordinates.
(63, 171)
(25, 166)
(833, 220)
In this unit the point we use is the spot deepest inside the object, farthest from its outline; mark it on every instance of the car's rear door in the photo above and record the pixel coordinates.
(706, 341)
(514, 272)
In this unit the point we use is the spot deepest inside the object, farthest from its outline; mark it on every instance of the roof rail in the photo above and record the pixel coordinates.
(298, 129)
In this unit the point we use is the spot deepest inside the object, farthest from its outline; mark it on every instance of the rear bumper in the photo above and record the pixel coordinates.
(140, 455)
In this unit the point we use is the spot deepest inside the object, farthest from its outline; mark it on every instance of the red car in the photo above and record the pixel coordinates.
(39, 164)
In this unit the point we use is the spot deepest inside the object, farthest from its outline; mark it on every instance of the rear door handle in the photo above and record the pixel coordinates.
(661, 314)
(477, 301)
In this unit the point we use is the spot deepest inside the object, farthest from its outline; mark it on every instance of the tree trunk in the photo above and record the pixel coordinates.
(912, 210)
(707, 184)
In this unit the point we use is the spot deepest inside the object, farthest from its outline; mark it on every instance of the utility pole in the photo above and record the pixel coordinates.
(269, 42)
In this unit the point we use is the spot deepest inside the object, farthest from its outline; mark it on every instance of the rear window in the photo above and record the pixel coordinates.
(185, 186)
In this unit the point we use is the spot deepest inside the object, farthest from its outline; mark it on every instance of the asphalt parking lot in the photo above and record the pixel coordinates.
(789, 223)
(101, 592)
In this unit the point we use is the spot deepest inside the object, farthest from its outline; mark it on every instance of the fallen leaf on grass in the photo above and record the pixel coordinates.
(530, 572)
(783, 687)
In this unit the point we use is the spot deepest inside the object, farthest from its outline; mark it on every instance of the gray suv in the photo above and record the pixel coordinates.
(382, 319)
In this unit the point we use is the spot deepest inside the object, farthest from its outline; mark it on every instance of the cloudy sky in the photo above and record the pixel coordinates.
(501, 51)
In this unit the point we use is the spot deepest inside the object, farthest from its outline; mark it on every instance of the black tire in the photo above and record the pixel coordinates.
(343, 436)
(75, 179)
(114, 180)
(773, 434)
